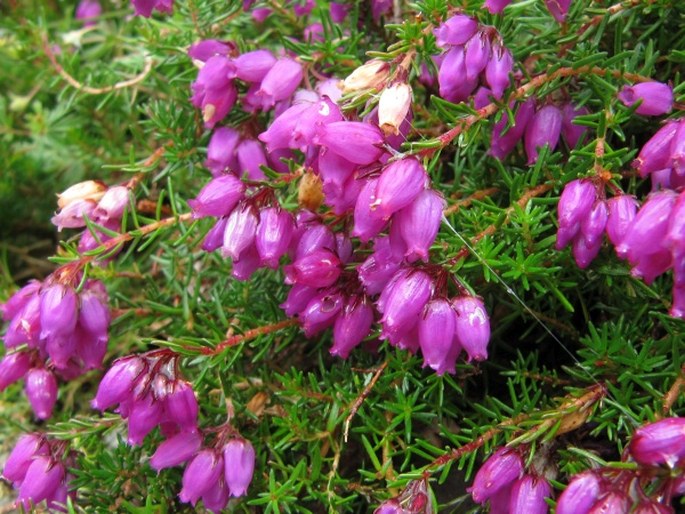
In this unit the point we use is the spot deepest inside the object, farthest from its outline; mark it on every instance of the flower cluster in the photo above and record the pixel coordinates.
(270, 81)
(149, 393)
(37, 468)
(537, 127)
(54, 330)
(99, 204)
(651, 238)
(557, 8)
(212, 474)
(145, 7)
(475, 54)
(510, 488)
(663, 157)
(658, 448)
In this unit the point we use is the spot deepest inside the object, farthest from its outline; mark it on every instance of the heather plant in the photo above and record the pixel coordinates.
(313, 256)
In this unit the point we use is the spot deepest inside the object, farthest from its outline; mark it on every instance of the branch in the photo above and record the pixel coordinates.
(247, 336)
(360, 399)
(523, 91)
(94, 90)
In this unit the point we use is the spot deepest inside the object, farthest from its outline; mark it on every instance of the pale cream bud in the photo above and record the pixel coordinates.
(393, 107)
(87, 190)
(369, 75)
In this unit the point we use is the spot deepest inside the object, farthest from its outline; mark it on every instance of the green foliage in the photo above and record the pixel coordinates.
(338, 435)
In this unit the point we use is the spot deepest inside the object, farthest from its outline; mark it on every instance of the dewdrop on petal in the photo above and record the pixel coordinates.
(369, 75)
(393, 107)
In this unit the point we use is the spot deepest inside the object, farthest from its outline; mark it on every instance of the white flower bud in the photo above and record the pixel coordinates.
(367, 76)
(88, 190)
(393, 107)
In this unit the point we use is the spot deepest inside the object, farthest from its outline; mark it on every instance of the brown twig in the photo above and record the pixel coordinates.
(490, 230)
(94, 90)
(478, 195)
(247, 336)
(672, 395)
(573, 413)
(360, 399)
(521, 92)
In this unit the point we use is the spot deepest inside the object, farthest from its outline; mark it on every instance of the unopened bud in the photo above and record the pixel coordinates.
(87, 190)
(393, 107)
(369, 75)
(310, 192)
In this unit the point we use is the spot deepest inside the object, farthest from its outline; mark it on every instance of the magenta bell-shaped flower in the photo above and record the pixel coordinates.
(87, 11)
(144, 415)
(406, 298)
(42, 480)
(558, 8)
(94, 316)
(58, 311)
(543, 129)
(351, 326)
(454, 86)
(379, 267)
(622, 212)
(655, 155)
(298, 298)
(656, 98)
(391, 506)
(473, 326)
(274, 234)
(239, 462)
(570, 131)
(280, 82)
(216, 498)
(27, 448)
(41, 389)
(436, 328)
(253, 66)
(496, 6)
(176, 450)
(661, 443)
(399, 184)
(321, 312)
(218, 197)
(19, 300)
(528, 495)
(613, 501)
(321, 268)
(501, 469)
(213, 90)
(503, 143)
(241, 229)
(203, 50)
(580, 495)
(456, 30)
(574, 206)
(118, 382)
(593, 225)
(251, 158)
(201, 474)
(356, 141)
(248, 263)
(221, 151)
(498, 69)
(367, 223)
(112, 204)
(13, 367)
(419, 223)
(649, 228)
(145, 7)
(477, 52)
(181, 405)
